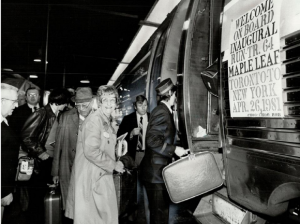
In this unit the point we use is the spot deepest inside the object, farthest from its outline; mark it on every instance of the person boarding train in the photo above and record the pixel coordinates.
(160, 148)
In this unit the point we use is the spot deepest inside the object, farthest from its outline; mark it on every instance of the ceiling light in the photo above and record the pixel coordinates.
(37, 60)
(7, 70)
(85, 81)
(157, 15)
(33, 76)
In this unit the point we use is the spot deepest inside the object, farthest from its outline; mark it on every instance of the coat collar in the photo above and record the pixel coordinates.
(106, 121)
(165, 107)
(75, 117)
(49, 110)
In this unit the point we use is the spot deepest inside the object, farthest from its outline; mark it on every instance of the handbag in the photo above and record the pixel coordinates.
(192, 176)
(25, 168)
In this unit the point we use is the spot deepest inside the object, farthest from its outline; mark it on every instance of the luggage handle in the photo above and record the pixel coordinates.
(53, 187)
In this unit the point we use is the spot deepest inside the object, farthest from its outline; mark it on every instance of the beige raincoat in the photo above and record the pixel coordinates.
(92, 195)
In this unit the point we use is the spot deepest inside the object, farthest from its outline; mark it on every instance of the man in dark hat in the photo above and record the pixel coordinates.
(66, 138)
(160, 148)
(9, 143)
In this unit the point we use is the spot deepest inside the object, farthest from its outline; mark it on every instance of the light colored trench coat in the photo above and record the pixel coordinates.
(92, 195)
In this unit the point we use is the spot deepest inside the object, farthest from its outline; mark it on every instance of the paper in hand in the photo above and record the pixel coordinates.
(121, 146)
(122, 137)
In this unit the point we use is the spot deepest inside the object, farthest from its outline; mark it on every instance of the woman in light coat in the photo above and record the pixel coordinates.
(92, 195)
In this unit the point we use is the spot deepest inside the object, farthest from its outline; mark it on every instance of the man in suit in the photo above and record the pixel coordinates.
(135, 124)
(9, 143)
(160, 148)
(66, 138)
(21, 114)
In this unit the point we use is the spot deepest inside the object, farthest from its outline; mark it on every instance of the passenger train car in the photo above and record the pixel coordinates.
(237, 67)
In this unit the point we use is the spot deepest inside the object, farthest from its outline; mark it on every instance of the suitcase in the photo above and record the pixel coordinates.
(53, 206)
(191, 176)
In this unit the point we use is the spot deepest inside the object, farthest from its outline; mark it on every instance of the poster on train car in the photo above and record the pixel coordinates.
(254, 76)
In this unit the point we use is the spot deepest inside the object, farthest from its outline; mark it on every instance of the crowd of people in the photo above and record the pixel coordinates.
(73, 141)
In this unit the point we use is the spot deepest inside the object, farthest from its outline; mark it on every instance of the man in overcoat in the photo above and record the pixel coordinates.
(66, 138)
(160, 148)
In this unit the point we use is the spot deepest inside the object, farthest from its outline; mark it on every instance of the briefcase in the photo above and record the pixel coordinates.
(53, 206)
(191, 176)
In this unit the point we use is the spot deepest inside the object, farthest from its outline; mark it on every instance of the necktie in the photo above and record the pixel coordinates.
(34, 109)
(140, 138)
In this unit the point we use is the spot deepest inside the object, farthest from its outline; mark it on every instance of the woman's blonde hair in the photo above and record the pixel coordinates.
(107, 90)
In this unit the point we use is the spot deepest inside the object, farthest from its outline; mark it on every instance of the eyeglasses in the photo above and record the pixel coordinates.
(14, 101)
(31, 94)
(82, 106)
(112, 101)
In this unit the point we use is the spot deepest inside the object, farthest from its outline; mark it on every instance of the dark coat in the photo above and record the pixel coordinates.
(65, 148)
(128, 123)
(9, 159)
(18, 118)
(160, 147)
(36, 130)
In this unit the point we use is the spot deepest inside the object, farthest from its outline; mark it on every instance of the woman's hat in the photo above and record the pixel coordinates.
(83, 94)
(164, 87)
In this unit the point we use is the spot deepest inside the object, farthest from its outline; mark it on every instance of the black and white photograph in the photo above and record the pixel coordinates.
(150, 112)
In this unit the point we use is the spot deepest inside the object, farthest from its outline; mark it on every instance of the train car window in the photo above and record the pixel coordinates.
(156, 70)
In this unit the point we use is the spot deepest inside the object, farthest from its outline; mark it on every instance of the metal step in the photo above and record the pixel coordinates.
(217, 208)
(209, 218)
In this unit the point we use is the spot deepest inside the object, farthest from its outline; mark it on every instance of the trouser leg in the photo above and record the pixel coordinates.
(158, 203)
(2, 211)
(37, 191)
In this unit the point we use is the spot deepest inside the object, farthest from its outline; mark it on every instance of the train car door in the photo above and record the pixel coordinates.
(200, 44)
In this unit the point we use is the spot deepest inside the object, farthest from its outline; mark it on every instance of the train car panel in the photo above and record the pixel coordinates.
(171, 48)
(262, 149)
